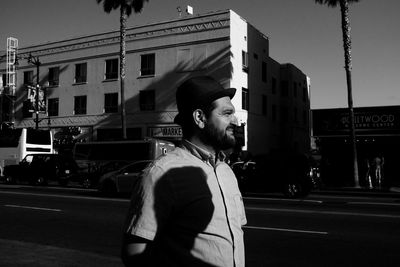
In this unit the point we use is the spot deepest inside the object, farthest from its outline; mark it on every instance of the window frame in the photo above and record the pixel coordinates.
(80, 106)
(108, 73)
(245, 61)
(144, 96)
(82, 78)
(30, 82)
(51, 111)
(113, 107)
(245, 99)
(148, 65)
(54, 81)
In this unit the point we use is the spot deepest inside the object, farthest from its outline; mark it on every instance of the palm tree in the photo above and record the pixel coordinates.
(344, 10)
(126, 7)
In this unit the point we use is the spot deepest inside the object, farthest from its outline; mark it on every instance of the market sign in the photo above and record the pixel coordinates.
(166, 132)
(367, 121)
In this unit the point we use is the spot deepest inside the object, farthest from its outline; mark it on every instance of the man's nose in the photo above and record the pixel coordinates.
(235, 120)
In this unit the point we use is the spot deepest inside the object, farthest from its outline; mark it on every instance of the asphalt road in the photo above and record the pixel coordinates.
(321, 230)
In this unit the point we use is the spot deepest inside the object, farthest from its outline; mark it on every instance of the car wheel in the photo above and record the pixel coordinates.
(292, 190)
(41, 180)
(10, 180)
(86, 182)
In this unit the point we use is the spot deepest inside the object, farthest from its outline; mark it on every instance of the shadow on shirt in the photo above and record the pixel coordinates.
(183, 209)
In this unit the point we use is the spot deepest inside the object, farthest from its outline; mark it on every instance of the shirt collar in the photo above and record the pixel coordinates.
(203, 154)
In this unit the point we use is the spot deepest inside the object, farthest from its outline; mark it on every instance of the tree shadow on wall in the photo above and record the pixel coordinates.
(217, 65)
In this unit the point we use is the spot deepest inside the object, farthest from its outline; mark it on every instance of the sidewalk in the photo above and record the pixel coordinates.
(25, 254)
(393, 192)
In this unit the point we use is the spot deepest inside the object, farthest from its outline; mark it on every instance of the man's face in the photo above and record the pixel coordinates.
(220, 125)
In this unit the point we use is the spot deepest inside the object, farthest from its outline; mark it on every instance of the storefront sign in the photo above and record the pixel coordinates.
(372, 120)
(166, 132)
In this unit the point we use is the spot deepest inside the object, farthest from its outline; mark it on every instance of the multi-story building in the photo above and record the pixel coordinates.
(82, 77)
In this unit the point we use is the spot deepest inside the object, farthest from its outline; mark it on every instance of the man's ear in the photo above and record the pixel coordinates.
(199, 118)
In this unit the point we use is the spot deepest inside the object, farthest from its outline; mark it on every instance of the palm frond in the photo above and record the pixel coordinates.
(334, 3)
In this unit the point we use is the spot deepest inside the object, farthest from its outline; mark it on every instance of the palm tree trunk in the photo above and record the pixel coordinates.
(344, 8)
(122, 64)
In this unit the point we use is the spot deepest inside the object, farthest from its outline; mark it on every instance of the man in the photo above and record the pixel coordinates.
(187, 209)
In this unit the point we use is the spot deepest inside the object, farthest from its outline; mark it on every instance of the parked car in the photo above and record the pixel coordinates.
(122, 180)
(90, 176)
(288, 174)
(38, 169)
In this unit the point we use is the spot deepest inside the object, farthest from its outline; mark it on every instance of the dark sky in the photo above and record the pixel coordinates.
(301, 32)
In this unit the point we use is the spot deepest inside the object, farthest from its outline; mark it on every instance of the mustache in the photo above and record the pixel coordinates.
(232, 127)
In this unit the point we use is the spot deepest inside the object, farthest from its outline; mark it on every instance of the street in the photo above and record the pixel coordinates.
(320, 230)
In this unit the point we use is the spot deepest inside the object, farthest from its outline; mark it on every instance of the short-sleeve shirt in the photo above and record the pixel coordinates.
(189, 205)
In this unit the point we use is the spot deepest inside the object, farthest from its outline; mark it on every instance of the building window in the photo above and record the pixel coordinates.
(147, 100)
(264, 105)
(284, 114)
(54, 75)
(245, 61)
(295, 90)
(52, 107)
(28, 78)
(284, 88)
(81, 73)
(111, 103)
(111, 69)
(274, 113)
(273, 88)
(245, 99)
(147, 65)
(305, 94)
(80, 105)
(264, 71)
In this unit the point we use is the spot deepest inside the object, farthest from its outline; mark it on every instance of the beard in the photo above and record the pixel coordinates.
(219, 139)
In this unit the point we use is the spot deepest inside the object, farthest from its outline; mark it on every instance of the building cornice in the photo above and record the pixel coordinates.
(44, 49)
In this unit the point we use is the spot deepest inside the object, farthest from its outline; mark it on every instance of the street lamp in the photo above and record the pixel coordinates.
(36, 62)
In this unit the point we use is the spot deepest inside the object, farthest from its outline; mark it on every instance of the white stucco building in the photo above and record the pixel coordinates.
(272, 99)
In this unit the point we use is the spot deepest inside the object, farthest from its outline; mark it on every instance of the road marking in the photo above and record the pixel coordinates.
(32, 208)
(283, 199)
(285, 230)
(66, 196)
(374, 203)
(327, 212)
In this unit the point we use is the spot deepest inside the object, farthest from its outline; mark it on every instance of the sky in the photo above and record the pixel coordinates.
(301, 32)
